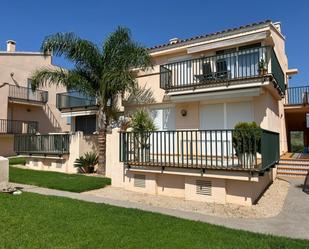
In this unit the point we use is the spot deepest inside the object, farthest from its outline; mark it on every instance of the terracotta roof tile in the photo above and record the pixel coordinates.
(209, 35)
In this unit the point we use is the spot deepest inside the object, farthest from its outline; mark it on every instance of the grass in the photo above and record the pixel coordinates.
(36, 221)
(17, 160)
(68, 182)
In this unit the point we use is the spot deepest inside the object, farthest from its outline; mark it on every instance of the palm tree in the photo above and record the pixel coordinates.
(101, 72)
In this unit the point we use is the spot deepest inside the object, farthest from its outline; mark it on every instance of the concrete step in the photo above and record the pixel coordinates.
(291, 173)
(296, 167)
(294, 162)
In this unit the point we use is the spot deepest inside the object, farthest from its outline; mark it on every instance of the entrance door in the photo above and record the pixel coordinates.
(297, 141)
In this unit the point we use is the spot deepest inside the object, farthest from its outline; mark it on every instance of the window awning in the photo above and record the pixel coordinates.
(228, 42)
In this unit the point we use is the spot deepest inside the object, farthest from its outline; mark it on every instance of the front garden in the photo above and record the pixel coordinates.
(36, 221)
(54, 180)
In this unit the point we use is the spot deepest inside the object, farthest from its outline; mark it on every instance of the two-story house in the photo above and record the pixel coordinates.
(24, 111)
(203, 87)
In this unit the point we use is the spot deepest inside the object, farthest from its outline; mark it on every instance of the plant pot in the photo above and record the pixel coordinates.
(247, 160)
(262, 71)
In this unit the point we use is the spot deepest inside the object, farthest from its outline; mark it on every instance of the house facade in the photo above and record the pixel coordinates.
(202, 87)
(24, 111)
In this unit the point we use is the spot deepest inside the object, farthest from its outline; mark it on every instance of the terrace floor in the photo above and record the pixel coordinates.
(298, 156)
(197, 162)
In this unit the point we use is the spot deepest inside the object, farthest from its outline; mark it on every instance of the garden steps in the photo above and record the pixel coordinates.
(293, 167)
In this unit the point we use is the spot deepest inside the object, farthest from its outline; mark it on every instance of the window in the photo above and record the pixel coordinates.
(86, 124)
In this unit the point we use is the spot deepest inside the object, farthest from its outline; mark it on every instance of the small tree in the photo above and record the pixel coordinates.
(142, 124)
(247, 142)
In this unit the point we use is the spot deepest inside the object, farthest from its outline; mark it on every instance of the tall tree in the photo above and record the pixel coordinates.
(101, 72)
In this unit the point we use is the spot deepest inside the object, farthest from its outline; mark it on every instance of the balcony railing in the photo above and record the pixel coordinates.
(69, 101)
(18, 126)
(51, 144)
(218, 69)
(297, 95)
(254, 150)
(26, 94)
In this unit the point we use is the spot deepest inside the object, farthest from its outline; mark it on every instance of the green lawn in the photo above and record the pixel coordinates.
(17, 160)
(36, 221)
(68, 182)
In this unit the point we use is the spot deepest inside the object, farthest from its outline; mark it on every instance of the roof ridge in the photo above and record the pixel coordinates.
(212, 34)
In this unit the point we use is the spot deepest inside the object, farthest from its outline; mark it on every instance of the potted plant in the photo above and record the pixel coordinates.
(247, 142)
(142, 124)
(87, 162)
(262, 67)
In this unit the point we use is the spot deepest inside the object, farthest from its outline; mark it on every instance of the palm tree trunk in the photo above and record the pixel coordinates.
(102, 151)
(102, 141)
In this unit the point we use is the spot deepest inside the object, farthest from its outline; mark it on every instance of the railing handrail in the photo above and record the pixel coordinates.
(64, 100)
(26, 93)
(199, 130)
(19, 120)
(42, 143)
(293, 87)
(217, 55)
(233, 66)
(11, 126)
(28, 88)
(295, 95)
(254, 149)
(67, 94)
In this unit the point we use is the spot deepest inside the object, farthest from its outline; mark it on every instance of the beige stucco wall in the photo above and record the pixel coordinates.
(224, 188)
(247, 192)
(6, 145)
(191, 120)
(269, 114)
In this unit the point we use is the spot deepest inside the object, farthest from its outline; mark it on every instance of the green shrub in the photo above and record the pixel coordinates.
(142, 121)
(87, 162)
(17, 160)
(247, 138)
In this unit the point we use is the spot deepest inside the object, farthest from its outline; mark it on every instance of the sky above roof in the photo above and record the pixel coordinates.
(153, 22)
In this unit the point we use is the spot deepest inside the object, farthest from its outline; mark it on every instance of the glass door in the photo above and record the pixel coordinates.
(297, 141)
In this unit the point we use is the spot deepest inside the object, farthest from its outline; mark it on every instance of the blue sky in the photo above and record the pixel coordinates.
(153, 22)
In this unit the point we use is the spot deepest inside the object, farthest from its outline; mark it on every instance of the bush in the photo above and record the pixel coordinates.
(17, 160)
(142, 121)
(87, 162)
(247, 138)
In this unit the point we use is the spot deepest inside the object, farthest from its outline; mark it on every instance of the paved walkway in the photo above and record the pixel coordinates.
(293, 221)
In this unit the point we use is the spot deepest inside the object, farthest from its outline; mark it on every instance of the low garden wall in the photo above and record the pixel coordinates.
(4, 172)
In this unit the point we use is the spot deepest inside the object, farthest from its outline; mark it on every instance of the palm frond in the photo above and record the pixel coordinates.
(123, 53)
(140, 95)
(48, 76)
(81, 52)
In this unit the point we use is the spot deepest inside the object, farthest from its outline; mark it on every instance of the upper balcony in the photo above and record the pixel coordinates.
(69, 101)
(223, 69)
(8, 126)
(296, 96)
(25, 94)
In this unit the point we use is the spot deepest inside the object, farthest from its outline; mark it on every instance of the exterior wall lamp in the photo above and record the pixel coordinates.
(183, 112)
